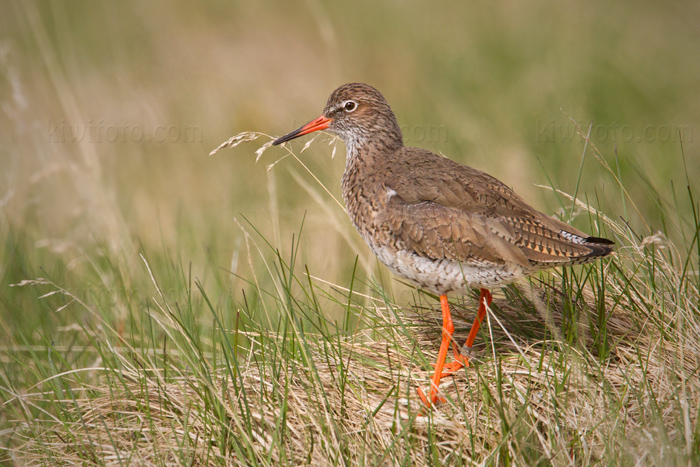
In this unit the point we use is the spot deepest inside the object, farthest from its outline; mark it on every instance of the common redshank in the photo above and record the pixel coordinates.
(443, 226)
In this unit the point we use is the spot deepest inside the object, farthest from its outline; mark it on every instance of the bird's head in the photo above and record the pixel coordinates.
(358, 114)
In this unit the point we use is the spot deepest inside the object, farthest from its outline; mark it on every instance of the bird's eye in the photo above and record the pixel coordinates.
(350, 106)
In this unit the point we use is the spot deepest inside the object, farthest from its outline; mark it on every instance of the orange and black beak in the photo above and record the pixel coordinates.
(321, 123)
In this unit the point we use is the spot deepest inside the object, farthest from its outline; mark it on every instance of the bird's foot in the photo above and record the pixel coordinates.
(460, 361)
(433, 400)
(453, 367)
(468, 354)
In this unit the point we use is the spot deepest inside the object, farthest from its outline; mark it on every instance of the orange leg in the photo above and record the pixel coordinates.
(448, 328)
(485, 300)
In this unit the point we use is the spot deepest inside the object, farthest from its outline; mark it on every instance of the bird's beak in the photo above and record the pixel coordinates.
(321, 123)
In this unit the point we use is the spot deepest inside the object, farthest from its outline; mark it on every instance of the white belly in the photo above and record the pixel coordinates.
(445, 276)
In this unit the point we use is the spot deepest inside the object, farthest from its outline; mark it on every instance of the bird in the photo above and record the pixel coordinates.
(443, 226)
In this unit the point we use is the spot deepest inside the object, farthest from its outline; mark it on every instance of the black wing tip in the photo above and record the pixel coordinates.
(599, 247)
(599, 241)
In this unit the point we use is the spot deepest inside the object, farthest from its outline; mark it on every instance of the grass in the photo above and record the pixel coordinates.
(162, 307)
(594, 365)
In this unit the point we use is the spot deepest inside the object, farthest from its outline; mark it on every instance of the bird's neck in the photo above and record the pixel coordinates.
(363, 178)
(379, 134)
(379, 139)
(363, 146)
(357, 183)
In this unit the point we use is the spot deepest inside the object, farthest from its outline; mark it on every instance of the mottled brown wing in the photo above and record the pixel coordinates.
(439, 232)
(446, 210)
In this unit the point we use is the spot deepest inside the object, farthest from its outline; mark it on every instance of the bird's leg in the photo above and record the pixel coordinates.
(461, 360)
(447, 329)
(485, 300)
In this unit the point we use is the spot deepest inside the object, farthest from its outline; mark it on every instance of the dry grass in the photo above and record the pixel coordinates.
(543, 391)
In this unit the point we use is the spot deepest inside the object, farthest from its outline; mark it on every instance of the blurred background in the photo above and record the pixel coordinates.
(109, 112)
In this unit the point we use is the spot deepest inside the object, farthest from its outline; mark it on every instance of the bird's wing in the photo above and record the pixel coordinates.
(439, 232)
(442, 209)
